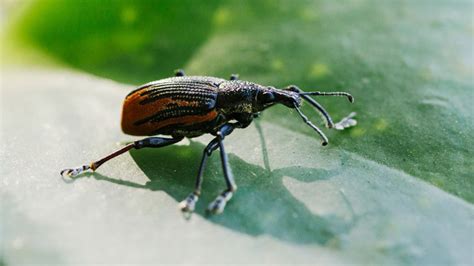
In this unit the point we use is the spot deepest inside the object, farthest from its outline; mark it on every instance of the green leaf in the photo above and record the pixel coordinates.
(363, 199)
(412, 86)
(297, 202)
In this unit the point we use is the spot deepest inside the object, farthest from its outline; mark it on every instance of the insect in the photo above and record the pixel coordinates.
(190, 106)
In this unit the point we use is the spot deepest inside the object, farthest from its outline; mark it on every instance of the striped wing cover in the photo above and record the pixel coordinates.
(178, 102)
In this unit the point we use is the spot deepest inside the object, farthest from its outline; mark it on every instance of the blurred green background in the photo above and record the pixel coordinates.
(409, 65)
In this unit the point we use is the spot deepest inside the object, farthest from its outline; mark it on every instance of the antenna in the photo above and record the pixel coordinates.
(335, 93)
(306, 120)
(322, 111)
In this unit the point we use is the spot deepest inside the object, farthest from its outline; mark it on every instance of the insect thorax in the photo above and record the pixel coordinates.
(236, 97)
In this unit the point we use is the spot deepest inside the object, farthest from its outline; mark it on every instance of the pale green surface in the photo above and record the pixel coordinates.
(313, 205)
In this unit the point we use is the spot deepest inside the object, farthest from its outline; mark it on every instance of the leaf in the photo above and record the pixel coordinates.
(409, 83)
(297, 201)
(360, 200)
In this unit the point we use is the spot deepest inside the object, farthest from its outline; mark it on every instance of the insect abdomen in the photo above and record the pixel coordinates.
(168, 105)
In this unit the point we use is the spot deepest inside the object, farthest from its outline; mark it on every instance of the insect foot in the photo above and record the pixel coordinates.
(346, 122)
(189, 203)
(72, 172)
(218, 205)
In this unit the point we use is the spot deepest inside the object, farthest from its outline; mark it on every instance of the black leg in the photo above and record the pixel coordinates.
(229, 178)
(218, 205)
(153, 142)
(188, 204)
(179, 73)
(234, 77)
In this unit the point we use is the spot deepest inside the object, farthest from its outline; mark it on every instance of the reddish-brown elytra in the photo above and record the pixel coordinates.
(190, 106)
(182, 105)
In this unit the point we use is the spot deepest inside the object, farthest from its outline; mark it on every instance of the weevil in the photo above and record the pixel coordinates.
(190, 106)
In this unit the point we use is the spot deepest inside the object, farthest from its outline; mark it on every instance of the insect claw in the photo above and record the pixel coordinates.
(72, 172)
(218, 205)
(189, 203)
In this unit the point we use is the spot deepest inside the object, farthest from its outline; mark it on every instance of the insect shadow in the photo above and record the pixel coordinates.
(262, 204)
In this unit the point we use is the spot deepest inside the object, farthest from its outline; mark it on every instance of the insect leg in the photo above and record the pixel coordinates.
(234, 77)
(188, 204)
(155, 142)
(152, 142)
(179, 73)
(218, 205)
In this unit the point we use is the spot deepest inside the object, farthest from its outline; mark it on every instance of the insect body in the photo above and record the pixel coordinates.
(190, 106)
